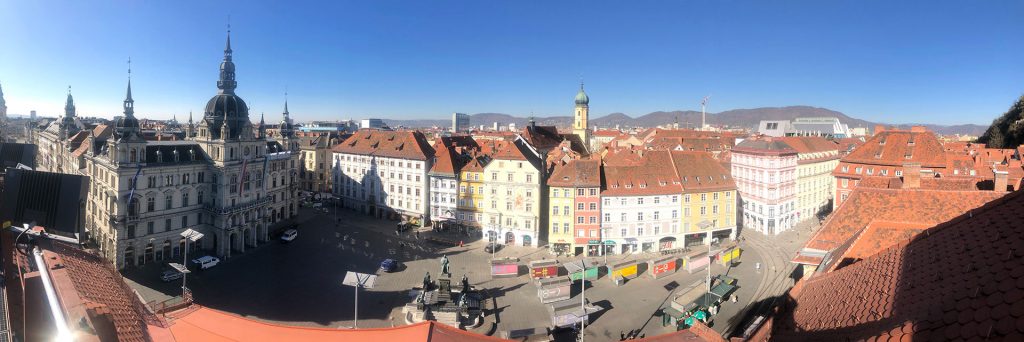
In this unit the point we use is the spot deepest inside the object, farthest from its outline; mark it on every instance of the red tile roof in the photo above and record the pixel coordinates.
(576, 173)
(879, 235)
(914, 206)
(664, 172)
(393, 144)
(960, 280)
(98, 287)
(892, 148)
(205, 324)
(452, 153)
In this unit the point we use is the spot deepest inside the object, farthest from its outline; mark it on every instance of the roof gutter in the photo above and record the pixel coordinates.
(63, 333)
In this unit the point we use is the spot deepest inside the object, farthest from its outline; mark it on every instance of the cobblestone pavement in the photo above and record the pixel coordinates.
(299, 283)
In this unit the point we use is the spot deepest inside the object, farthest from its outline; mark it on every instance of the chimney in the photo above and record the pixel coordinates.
(918, 129)
(911, 175)
(879, 129)
(1000, 181)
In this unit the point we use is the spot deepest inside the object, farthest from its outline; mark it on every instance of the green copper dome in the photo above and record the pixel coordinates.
(581, 97)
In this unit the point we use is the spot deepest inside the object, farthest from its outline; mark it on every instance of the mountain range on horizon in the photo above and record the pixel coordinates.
(743, 118)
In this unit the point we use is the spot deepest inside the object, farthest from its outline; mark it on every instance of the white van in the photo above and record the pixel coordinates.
(206, 262)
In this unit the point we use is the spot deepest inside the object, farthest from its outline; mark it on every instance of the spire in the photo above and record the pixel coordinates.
(69, 106)
(2, 102)
(129, 103)
(262, 128)
(227, 83)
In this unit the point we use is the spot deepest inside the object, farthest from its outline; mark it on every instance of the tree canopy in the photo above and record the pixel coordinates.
(1007, 131)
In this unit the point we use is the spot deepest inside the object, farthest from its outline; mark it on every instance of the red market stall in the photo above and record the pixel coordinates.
(504, 268)
(542, 269)
(662, 267)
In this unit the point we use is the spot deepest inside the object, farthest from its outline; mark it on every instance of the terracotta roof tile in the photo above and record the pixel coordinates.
(952, 281)
(577, 173)
(393, 144)
(893, 147)
(914, 206)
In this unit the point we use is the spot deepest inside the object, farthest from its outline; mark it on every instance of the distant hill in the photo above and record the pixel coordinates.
(746, 118)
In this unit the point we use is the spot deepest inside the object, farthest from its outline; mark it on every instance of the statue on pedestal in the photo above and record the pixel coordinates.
(426, 282)
(444, 265)
(465, 283)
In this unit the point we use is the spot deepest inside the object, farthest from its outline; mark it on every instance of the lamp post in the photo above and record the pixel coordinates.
(704, 225)
(188, 234)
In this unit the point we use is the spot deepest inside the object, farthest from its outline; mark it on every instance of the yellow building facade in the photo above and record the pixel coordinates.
(512, 198)
(470, 207)
(718, 208)
(561, 208)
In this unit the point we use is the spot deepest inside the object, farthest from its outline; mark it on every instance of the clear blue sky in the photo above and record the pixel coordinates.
(929, 61)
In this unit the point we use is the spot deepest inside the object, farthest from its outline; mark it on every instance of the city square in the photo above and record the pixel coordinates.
(299, 283)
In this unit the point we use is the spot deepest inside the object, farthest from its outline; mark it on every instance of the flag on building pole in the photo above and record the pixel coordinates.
(245, 164)
(135, 182)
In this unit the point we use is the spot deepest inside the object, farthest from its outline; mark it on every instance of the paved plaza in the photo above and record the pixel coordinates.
(299, 283)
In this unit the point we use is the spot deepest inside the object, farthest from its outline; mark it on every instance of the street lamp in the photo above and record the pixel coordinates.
(704, 225)
(193, 235)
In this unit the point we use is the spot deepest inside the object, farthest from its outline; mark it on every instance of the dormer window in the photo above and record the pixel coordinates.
(643, 185)
(629, 186)
(908, 155)
(878, 155)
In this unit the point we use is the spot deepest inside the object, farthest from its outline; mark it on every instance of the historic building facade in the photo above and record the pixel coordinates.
(451, 154)
(512, 195)
(575, 207)
(885, 154)
(815, 185)
(765, 172)
(226, 179)
(384, 173)
(315, 174)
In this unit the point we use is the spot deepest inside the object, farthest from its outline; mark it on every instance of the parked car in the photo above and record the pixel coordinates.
(492, 247)
(289, 235)
(206, 262)
(389, 265)
(170, 275)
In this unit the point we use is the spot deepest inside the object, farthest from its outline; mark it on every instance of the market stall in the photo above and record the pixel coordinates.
(542, 269)
(554, 289)
(729, 255)
(696, 262)
(660, 267)
(621, 272)
(567, 313)
(586, 269)
(504, 268)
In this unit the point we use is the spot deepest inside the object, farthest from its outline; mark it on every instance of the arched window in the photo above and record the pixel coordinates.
(133, 155)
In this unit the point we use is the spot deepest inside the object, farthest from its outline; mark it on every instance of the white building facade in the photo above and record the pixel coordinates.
(384, 174)
(765, 171)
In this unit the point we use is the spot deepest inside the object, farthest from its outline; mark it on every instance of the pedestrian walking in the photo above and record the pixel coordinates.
(460, 243)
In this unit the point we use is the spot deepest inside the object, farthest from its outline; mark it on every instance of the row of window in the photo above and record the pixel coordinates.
(568, 193)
